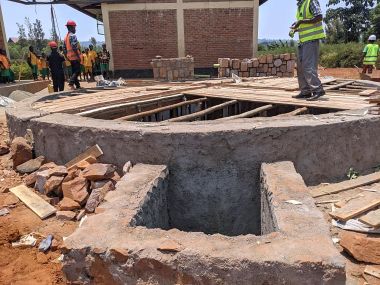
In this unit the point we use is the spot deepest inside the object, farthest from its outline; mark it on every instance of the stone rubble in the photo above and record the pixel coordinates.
(21, 151)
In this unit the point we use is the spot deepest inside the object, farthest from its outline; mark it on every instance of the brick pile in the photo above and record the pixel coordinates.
(173, 69)
(267, 65)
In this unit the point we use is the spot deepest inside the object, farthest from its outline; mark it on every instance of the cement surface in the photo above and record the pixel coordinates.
(300, 252)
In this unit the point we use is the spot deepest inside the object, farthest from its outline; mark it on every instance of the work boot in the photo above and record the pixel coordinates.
(302, 95)
(316, 95)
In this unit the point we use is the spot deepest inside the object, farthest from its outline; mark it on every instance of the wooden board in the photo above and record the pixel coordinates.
(346, 185)
(372, 218)
(357, 207)
(372, 270)
(34, 202)
(94, 151)
(367, 92)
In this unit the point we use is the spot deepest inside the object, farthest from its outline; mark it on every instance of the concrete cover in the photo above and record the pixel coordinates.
(115, 248)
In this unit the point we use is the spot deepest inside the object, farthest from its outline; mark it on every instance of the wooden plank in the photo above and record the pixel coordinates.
(356, 207)
(372, 218)
(337, 86)
(346, 185)
(94, 151)
(203, 112)
(161, 109)
(115, 107)
(368, 92)
(372, 270)
(248, 114)
(34, 202)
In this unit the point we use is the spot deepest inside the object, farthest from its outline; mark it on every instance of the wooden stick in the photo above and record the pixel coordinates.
(337, 86)
(202, 113)
(161, 109)
(296, 112)
(248, 114)
(107, 109)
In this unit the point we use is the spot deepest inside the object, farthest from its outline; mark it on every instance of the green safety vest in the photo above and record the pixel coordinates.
(309, 32)
(371, 55)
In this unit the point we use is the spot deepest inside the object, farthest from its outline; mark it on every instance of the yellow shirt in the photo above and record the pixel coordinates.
(33, 58)
(39, 64)
(43, 63)
(93, 55)
(87, 60)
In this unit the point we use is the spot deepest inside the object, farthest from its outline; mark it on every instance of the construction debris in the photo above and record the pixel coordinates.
(4, 212)
(21, 151)
(363, 247)
(25, 241)
(46, 243)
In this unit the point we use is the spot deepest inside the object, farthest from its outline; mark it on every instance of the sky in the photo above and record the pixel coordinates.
(276, 16)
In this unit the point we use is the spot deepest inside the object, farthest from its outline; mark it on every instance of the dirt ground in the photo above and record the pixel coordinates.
(25, 265)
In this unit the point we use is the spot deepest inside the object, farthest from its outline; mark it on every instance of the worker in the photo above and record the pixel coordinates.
(310, 30)
(105, 61)
(71, 49)
(56, 65)
(88, 63)
(93, 56)
(370, 53)
(32, 61)
(5, 67)
(44, 66)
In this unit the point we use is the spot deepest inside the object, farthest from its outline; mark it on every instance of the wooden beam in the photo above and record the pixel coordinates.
(357, 207)
(248, 114)
(203, 112)
(337, 86)
(346, 185)
(161, 109)
(107, 109)
(34, 202)
(372, 218)
(94, 151)
(296, 112)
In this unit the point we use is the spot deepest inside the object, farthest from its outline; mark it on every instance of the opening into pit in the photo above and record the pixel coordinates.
(217, 209)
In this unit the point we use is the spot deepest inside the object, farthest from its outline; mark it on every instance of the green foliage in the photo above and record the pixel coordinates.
(375, 21)
(352, 173)
(335, 33)
(26, 72)
(354, 16)
(277, 47)
(341, 55)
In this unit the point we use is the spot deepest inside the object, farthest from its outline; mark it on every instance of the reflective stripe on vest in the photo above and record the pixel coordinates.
(309, 32)
(371, 55)
(70, 53)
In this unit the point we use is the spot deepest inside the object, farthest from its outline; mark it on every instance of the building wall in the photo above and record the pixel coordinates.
(3, 37)
(136, 32)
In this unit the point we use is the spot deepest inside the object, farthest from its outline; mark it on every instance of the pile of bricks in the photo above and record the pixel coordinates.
(267, 65)
(173, 69)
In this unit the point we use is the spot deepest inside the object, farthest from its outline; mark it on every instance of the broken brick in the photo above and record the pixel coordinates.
(65, 215)
(21, 151)
(76, 189)
(68, 204)
(363, 247)
(52, 183)
(98, 171)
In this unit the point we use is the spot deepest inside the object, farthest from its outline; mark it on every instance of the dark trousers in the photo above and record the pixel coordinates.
(75, 66)
(58, 82)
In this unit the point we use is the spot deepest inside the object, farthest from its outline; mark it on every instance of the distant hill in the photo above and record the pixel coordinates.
(87, 43)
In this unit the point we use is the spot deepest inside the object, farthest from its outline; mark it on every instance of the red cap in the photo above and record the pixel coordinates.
(53, 44)
(71, 23)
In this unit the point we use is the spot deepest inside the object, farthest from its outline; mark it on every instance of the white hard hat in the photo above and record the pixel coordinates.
(372, 38)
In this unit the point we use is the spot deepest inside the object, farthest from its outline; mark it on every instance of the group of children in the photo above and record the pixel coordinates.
(90, 64)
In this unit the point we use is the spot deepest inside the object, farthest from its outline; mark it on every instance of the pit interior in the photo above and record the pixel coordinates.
(217, 209)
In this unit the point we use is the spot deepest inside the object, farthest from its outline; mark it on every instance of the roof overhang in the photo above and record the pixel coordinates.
(91, 8)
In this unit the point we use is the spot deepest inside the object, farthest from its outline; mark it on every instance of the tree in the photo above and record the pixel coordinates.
(93, 41)
(39, 35)
(375, 21)
(22, 41)
(354, 16)
(335, 33)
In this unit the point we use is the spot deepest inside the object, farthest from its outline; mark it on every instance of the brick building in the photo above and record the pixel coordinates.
(3, 37)
(138, 30)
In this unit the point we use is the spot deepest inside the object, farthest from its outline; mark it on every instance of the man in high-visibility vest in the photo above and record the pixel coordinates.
(370, 53)
(310, 29)
(71, 49)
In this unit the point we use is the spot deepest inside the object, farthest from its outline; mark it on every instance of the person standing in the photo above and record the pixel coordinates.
(88, 63)
(310, 30)
(71, 49)
(44, 65)
(370, 54)
(105, 61)
(5, 67)
(93, 56)
(32, 61)
(56, 62)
